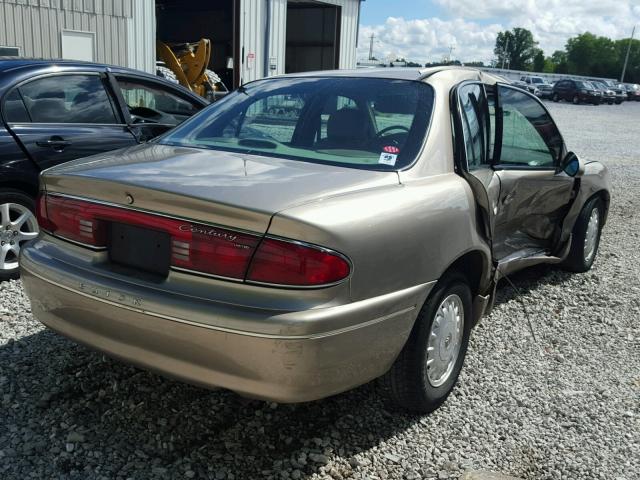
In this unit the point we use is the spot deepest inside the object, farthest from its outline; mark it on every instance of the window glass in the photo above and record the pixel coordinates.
(529, 136)
(68, 99)
(149, 102)
(13, 109)
(337, 120)
(472, 104)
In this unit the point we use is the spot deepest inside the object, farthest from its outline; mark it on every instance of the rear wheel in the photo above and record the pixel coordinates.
(586, 237)
(555, 97)
(426, 370)
(17, 225)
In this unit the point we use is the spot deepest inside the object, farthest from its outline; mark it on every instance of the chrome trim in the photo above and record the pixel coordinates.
(152, 212)
(224, 329)
(75, 242)
(301, 287)
(204, 274)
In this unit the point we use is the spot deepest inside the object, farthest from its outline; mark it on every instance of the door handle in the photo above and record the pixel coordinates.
(55, 142)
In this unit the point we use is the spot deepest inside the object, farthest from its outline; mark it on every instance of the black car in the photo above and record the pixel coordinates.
(55, 111)
(576, 91)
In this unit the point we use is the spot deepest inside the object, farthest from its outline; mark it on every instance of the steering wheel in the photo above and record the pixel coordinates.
(150, 115)
(392, 127)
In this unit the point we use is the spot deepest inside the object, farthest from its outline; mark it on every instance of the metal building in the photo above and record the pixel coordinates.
(251, 39)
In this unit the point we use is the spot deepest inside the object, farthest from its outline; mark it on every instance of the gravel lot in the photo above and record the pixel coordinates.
(564, 408)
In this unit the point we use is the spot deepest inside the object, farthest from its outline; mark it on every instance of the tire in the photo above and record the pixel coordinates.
(555, 97)
(409, 382)
(166, 73)
(583, 252)
(575, 100)
(18, 206)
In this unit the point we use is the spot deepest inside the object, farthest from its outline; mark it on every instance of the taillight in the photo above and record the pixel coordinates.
(198, 247)
(279, 262)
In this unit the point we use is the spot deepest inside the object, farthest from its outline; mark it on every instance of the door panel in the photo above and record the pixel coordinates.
(531, 206)
(51, 144)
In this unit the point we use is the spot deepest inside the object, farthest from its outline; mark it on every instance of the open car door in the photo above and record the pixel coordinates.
(475, 144)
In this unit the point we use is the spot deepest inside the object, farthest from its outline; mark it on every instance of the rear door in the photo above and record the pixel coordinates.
(64, 116)
(474, 142)
(153, 107)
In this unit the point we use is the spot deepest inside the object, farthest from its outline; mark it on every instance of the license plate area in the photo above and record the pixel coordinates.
(140, 248)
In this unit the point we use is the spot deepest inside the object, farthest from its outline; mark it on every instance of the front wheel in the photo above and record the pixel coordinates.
(575, 100)
(586, 237)
(17, 225)
(555, 97)
(426, 370)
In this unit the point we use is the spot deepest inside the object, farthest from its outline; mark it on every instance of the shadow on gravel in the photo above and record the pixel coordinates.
(68, 411)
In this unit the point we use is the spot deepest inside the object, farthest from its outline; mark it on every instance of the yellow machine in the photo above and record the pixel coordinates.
(188, 62)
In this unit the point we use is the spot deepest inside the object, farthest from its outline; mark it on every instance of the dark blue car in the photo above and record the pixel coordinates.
(53, 111)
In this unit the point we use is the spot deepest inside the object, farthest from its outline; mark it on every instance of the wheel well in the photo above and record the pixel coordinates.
(23, 187)
(606, 198)
(472, 265)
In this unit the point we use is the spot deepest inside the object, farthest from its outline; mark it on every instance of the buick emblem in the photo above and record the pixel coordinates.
(129, 199)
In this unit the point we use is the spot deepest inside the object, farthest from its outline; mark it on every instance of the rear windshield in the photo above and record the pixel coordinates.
(375, 124)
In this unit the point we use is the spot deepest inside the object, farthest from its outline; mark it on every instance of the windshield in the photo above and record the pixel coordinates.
(357, 122)
(583, 84)
(537, 80)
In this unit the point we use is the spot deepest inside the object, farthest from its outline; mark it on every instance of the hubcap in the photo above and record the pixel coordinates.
(445, 339)
(17, 225)
(591, 236)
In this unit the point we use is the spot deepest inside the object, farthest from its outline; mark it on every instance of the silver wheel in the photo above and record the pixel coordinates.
(591, 235)
(17, 225)
(445, 339)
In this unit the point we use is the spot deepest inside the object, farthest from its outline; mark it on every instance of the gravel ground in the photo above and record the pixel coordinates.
(566, 407)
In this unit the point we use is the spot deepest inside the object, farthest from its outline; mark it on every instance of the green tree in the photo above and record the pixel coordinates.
(559, 60)
(588, 54)
(632, 74)
(538, 61)
(515, 49)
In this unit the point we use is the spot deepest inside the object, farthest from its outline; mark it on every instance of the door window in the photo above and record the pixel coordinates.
(473, 109)
(155, 103)
(13, 109)
(529, 135)
(68, 99)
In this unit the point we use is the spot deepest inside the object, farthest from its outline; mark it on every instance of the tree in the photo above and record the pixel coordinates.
(538, 61)
(559, 59)
(590, 55)
(515, 49)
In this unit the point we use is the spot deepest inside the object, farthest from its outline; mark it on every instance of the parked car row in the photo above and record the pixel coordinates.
(580, 91)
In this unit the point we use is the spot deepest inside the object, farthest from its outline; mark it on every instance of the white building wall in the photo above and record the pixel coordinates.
(141, 36)
(35, 26)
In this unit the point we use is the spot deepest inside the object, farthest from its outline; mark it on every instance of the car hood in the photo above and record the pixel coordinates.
(233, 189)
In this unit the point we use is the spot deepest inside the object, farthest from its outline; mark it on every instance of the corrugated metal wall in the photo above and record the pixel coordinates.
(252, 27)
(35, 25)
(141, 36)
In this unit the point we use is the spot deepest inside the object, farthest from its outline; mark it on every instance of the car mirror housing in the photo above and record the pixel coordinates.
(571, 165)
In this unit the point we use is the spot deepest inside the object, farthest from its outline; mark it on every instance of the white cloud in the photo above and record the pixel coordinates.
(551, 21)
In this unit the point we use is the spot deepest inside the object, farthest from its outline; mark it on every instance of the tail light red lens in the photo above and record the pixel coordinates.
(286, 263)
(198, 247)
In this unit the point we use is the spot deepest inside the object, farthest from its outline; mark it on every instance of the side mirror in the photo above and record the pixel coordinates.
(571, 165)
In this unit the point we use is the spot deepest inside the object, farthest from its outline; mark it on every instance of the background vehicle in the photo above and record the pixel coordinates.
(293, 253)
(186, 63)
(633, 91)
(608, 95)
(529, 87)
(544, 89)
(575, 91)
(619, 90)
(55, 111)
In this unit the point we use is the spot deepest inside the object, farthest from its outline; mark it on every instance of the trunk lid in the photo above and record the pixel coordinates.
(230, 189)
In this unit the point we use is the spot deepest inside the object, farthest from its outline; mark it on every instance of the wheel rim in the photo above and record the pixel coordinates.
(445, 340)
(17, 225)
(575, 99)
(591, 236)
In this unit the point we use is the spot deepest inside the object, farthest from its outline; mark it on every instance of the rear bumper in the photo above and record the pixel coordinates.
(282, 366)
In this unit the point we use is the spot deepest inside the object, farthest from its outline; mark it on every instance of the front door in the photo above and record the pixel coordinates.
(508, 149)
(61, 117)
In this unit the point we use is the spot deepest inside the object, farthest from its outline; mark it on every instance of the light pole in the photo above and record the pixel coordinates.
(626, 58)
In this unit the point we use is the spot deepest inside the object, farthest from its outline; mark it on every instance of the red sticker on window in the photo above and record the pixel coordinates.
(391, 149)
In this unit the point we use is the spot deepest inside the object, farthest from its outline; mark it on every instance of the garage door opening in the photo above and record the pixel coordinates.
(313, 36)
(187, 21)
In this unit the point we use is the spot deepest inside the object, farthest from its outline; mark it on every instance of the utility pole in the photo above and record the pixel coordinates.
(505, 52)
(371, 46)
(626, 58)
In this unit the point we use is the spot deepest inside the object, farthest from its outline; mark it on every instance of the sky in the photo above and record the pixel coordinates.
(425, 30)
